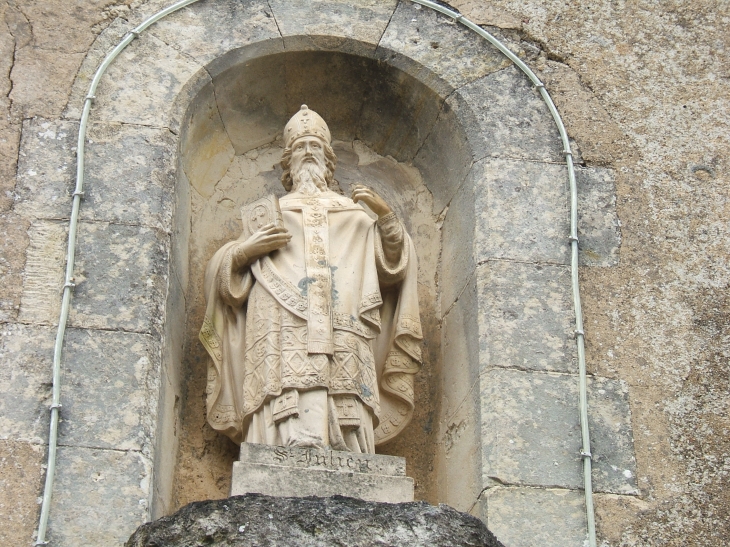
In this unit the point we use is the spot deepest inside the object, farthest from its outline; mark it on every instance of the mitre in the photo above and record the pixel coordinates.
(306, 123)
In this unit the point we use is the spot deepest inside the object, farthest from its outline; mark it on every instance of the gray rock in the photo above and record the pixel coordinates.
(206, 31)
(457, 255)
(346, 522)
(147, 74)
(46, 168)
(445, 158)
(109, 389)
(25, 382)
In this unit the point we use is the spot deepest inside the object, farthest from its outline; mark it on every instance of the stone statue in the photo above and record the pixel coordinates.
(312, 319)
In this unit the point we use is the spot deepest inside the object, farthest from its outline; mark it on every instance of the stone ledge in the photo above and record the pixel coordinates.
(313, 522)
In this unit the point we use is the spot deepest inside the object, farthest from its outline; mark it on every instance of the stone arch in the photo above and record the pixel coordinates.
(487, 153)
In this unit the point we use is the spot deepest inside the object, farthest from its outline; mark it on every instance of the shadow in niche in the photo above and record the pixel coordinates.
(380, 118)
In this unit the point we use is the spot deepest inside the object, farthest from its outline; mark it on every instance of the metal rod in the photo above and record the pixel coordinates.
(585, 452)
(70, 257)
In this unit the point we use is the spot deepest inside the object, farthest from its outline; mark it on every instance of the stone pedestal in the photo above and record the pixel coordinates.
(288, 472)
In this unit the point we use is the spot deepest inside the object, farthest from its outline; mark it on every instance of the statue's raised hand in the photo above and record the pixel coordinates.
(267, 239)
(371, 199)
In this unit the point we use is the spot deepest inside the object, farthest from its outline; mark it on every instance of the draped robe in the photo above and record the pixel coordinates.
(330, 322)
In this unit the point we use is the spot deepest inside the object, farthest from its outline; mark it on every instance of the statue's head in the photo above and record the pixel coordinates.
(308, 157)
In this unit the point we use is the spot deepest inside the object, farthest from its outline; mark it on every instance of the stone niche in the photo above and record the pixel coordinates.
(186, 128)
(230, 148)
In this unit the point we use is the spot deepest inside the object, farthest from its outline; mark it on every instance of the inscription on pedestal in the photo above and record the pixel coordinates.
(322, 459)
(285, 471)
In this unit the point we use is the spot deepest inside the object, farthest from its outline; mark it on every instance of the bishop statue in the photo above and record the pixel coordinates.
(312, 320)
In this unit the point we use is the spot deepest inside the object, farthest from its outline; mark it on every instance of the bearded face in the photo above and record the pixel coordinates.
(308, 165)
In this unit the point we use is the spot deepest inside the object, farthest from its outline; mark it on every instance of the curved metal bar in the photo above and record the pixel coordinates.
(585, 452)
(70, 257)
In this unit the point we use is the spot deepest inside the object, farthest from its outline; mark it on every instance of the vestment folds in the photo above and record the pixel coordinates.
(357, 300)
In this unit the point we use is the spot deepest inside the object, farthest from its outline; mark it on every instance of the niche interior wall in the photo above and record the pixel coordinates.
(421, 108)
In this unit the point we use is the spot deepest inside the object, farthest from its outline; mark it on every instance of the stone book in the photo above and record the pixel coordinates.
(259, 213)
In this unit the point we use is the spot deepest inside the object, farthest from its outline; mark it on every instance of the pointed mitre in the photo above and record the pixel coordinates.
(303, 123)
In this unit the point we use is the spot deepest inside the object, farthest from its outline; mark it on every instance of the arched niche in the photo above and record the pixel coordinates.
(230, 147)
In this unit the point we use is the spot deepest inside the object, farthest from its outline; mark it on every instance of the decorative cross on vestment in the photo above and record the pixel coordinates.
(318, 282)
(316, 286)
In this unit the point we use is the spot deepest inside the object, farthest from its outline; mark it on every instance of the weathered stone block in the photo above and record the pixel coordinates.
(110, 383)
(181, 227)
(526, 317)
(398, 114)
(104, 43)
(148, 73)
(333, 24)
(252, 102)
(33, 69)
(46, 168)
(20, 484)
(445, 158)
(137, 190)
(460, 349)
(460, 458)
(310, 522)
(527, 517)
(508, 118)
(457, 254)
(285, 471)
(524, 211)
(112, 486)
(14, 242)
(25, 382)
(109, 387)
(599, 231)
(121, 277)
(134, 191)
(171, 389)
(531, 431)
(206, 31)
(166, 443)
(425, 43)
(44, 272)
(207, 151)
(612, 438)
(339, 99)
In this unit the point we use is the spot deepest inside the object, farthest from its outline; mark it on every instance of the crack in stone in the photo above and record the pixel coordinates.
(527, 262)
(110, 449)
(278, 28)
(461, 292)
(377, 46)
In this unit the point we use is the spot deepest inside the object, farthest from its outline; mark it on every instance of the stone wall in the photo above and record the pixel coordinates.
(642, 89)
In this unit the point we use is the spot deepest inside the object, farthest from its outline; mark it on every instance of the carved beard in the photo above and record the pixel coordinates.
(309, 178)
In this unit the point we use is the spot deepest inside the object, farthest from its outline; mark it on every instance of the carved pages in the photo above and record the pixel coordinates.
(259, 213)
